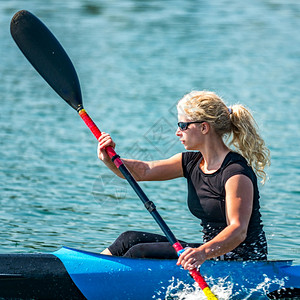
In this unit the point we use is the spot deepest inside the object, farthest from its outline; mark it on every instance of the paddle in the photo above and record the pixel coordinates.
(48, 57)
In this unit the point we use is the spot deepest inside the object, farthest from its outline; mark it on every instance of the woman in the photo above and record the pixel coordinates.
(222, 183)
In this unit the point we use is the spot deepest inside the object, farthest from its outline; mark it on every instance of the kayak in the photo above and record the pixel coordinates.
(76, 274)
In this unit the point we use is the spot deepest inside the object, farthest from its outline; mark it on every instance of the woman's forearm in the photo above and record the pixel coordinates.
(227, 240)
(141, 170)
(137, 168)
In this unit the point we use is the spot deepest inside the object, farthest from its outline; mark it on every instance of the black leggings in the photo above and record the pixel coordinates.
(139, 244)
(149, 245)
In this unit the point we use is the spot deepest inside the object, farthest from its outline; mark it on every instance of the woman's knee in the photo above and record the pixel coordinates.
(128, 235)
(124, 241)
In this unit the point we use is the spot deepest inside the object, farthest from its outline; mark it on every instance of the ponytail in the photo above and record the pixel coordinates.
(247, 141)
(235, 122)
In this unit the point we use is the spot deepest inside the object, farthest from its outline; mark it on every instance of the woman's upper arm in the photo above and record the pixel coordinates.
(164, 169)
(239, 200)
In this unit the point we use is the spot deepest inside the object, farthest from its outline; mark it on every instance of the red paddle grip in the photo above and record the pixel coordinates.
(199, 279)
(97, 133)
(194, 273)
(90, 124)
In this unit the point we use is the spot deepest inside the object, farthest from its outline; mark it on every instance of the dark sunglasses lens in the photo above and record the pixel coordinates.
(182, 125)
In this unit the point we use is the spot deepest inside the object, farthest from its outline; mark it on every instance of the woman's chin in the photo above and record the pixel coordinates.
(189, 148)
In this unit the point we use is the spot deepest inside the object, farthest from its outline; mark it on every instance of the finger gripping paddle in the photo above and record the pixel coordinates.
(47, 56)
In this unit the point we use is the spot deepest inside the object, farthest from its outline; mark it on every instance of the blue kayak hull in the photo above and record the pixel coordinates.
(75, 274)
(104, 277)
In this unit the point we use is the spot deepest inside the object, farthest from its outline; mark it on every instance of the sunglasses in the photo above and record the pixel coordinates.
(184, 125)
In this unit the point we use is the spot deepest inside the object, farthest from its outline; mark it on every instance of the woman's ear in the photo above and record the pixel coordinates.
(205, 127)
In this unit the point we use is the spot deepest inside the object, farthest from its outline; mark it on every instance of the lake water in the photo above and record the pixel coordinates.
(135, 60)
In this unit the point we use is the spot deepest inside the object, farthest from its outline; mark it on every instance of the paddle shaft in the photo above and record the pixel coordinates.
(150, 206)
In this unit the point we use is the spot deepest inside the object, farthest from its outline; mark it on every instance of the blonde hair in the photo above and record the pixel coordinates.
(236, 124)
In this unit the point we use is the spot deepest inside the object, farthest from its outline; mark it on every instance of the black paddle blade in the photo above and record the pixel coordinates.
(47, 56)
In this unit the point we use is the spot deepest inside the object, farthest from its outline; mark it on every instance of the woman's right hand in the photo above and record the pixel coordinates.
(104, 140)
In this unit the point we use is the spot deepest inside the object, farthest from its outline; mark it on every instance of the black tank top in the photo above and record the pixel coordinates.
(206, 201)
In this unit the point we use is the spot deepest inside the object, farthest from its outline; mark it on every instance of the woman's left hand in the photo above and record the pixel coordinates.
(191, 258)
